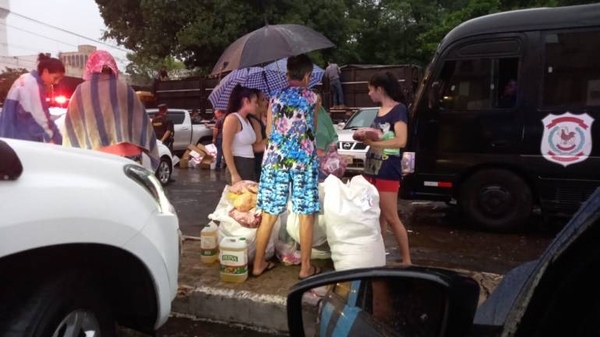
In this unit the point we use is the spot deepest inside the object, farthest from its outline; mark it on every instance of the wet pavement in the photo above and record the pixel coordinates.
(437, 237)
(184, 327)
(437, 234)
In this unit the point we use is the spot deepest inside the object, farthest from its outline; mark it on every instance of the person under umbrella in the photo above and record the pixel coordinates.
(239, 135)
(106, 115)
(265, 80)
(290, 160)
(281, 66)
(260, 128)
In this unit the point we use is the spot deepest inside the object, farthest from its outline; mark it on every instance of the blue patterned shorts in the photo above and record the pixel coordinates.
(274, 190)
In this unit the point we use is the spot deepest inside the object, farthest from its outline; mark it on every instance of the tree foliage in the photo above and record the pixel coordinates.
(142, 69)
(7, 78)
(364, 31)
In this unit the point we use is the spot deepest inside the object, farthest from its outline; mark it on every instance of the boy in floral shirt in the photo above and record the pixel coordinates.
(290, 160)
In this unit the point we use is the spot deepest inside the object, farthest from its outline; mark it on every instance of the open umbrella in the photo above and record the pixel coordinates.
(268, 44)
(255, 77)
(281, 66)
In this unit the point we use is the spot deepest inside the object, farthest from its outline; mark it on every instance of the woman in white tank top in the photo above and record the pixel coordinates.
(239, 135)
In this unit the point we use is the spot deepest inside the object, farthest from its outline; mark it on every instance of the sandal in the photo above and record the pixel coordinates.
(270, 266)
(316, 271)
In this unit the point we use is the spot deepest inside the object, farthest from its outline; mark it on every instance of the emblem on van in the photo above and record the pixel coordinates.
(567, 138)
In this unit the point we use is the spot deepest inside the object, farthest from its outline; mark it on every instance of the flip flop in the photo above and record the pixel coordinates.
(270, 266)
(316, 270)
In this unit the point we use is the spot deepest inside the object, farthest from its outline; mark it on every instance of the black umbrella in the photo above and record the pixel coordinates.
(270, 43)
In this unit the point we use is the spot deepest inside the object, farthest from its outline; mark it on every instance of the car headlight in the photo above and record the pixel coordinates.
(149, 182)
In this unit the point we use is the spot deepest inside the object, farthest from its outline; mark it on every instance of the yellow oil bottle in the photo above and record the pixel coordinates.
(233, 257)
(208, 244)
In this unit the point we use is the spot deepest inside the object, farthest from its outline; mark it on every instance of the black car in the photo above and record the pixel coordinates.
(556, 295)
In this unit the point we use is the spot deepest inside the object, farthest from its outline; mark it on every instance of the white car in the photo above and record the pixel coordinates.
(353, 151)
(86, 239)
(165, 166)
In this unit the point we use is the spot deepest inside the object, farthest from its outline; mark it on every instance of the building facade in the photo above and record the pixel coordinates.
(75, 61)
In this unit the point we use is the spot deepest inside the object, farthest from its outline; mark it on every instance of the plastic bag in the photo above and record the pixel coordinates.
(332, 162)
(243, 196)
(287, 252)
(228, 226)
(367, 133)
(352, 216)
(244, 186)
(250, 219)
(319, 227)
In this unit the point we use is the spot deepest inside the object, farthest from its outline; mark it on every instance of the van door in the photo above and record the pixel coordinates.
(561, 142)
(471, 111)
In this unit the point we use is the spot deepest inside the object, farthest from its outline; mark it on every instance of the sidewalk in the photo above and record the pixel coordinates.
(259, 302)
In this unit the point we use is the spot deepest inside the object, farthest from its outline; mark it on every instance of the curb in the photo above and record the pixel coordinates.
(262, 312)
(266, 313)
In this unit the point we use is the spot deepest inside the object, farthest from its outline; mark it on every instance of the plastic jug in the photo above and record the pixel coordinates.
(208, 244)
(233, 256)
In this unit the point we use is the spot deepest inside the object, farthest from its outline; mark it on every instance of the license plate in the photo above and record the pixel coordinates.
(348, 159)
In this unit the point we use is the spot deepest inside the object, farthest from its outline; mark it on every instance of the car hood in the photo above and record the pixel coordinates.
(40, 156)
(345, 135)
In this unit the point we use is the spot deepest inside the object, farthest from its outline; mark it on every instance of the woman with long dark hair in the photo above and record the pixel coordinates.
(25, 114)
(384, 158)
(239, 135)
(260, 128)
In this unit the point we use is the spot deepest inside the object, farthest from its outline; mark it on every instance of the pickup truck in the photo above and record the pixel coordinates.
(186, 132)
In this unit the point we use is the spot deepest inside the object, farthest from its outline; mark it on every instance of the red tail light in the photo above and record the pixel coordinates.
(60, 99)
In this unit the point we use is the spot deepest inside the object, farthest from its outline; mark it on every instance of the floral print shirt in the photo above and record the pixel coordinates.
(291, 144)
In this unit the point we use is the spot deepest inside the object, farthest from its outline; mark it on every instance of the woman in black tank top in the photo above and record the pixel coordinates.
(261, 131)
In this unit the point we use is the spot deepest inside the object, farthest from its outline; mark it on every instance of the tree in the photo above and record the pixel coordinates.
(141, 69)
(7, 78)
(197, 32)
(364, 31)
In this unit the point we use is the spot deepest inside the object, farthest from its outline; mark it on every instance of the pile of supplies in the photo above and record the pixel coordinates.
(346, 230)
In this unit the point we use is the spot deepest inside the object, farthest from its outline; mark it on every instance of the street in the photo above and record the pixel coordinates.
(437, 238)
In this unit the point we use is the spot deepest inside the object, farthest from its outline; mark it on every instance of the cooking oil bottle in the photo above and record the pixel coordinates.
(233, 256)
(208, 244)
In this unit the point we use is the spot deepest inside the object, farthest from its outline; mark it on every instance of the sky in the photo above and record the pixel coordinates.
(82, 17)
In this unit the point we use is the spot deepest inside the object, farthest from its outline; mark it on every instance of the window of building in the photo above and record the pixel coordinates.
(572, 69)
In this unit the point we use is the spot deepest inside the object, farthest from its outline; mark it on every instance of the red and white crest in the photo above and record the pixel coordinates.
(567, 138)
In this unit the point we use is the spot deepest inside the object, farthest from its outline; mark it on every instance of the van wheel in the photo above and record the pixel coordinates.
(66, 305)
(496, 200)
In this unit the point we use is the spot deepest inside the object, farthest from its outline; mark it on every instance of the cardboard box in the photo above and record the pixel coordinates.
(198, 152)
(185, 160)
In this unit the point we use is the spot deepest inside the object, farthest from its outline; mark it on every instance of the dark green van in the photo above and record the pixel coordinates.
(506, 117)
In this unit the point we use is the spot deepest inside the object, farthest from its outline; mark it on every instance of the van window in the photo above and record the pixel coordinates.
(572, 69)
(478, 84)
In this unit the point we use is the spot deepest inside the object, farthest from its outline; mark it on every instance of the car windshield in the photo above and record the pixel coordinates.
(363, 118)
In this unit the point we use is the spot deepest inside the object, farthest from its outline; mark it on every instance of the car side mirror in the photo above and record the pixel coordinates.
(341, 125)
(10, 165)
(400, 301)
